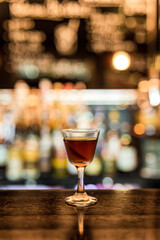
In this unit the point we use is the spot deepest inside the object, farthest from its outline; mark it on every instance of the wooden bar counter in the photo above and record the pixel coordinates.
(43, 214)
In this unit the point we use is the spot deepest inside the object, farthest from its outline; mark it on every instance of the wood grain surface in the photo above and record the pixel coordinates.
(43, 214)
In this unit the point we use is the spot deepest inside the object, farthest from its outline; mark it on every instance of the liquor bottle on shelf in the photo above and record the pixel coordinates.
(127, 160)
(147, 129)
(31, 153)
(3, 160)
(110, 152)
(59, 161)
(8, 126)
(97, 120)
(45, 151)
(7, 133)
(111, 141)
(14, 170)
(31, 138)
(150, 167)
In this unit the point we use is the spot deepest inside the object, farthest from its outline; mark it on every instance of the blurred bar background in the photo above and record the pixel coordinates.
(86, 63)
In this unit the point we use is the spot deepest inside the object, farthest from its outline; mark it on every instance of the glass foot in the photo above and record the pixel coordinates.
(81, 200)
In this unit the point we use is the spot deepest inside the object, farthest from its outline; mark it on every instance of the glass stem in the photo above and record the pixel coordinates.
(80, 188)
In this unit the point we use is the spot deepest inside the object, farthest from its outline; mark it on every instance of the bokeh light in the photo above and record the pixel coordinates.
(126, 139)
(143, 86)
(139, 128)
(121, 60)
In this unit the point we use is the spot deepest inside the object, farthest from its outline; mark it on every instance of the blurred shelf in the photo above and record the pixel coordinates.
(69, 182)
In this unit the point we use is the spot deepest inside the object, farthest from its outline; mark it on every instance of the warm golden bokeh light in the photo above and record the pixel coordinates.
(154, 83)
(143, 86)
(121, 60)
(154, 92)
(139, 129)
(125, 139)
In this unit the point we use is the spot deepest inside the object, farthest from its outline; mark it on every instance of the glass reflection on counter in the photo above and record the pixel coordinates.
(81, 232)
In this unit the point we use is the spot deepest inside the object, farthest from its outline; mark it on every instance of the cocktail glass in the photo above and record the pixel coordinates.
(80, 147)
